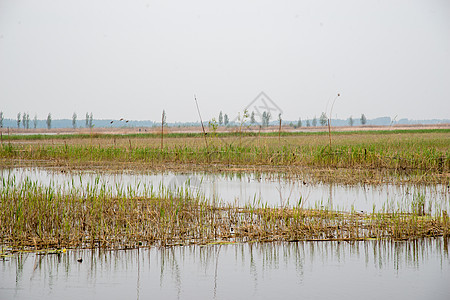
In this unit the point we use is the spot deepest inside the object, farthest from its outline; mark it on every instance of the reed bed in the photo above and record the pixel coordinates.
(36, 216)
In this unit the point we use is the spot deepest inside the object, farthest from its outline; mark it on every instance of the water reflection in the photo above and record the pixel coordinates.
(254, 189)
(372, 269)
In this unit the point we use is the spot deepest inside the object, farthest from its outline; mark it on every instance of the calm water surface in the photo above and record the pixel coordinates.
(301, 270)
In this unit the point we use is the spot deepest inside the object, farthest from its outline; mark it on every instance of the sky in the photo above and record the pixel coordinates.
(134, 59)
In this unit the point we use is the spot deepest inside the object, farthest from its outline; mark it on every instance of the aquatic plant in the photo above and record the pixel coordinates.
(40, 216)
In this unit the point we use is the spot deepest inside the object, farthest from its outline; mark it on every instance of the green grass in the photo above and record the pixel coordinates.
(417, 155)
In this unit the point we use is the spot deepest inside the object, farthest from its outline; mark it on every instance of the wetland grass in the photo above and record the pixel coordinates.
(37, 217)
(34, 216)
(314, 156)
(427, 158)
(416, 150)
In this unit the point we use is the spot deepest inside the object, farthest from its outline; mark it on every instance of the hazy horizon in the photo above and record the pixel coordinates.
(132, 59)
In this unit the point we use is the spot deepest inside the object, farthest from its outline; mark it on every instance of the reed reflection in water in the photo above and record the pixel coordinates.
(320, 270)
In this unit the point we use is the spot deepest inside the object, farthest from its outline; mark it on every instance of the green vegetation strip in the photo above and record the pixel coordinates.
(430, 157)
(34, 216)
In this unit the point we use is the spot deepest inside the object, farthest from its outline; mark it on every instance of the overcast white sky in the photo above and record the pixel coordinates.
(133, 59)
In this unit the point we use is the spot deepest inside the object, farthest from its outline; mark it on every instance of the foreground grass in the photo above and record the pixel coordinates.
(37, 216)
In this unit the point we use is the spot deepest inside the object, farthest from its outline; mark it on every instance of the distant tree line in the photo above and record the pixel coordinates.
(23, 120)
(266, 116)
(254, 118)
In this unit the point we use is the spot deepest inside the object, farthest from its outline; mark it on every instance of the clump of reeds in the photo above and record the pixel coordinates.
(39, 217)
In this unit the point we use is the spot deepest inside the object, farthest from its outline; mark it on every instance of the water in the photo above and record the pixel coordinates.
(256, 189)
(309, 270)
(302, 270)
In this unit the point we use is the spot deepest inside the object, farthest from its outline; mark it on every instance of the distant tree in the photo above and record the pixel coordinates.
(49, 121)
(74, 120)
(163, 118)
(24, 120)
(299, 122)
(314, 122)
(28, 121)
(18, 120)
(323, 119)
(363, 119)
(252, 118)
(350, 121)
(91, 120)
(226, 120)
(220, 118)
(308, 124)
(1, 119)
(266, 118)
(35, 121)
(87, 120)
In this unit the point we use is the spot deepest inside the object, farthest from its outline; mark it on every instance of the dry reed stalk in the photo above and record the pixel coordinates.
(162, 131)
(203, 127)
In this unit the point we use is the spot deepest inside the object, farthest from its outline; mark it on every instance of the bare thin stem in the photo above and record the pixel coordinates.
(162, 130)
(203, 128)
(279, 131)
(329, 119)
